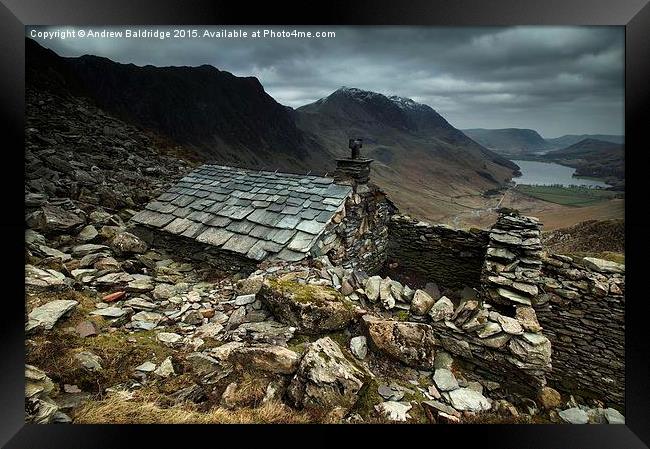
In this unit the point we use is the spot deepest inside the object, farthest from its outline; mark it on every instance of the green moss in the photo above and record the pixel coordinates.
(306, 293)
(368, 398)
(402, 315)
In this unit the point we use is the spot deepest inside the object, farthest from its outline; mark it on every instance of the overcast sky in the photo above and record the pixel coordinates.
(556, 80)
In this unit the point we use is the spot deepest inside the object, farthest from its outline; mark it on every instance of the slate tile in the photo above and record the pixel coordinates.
(218, 221)
(332, 201)
(289, 255)
(152, 218)
(294, 201)
(241, 227)
(182, 212)
(310, 226)
(291, 210)
(167, 196)
(239, 243)
(308, 214)
(193, 230)
(288, 222)
(257, 251)
(183, 200)
(324, 216)
(282, 236)
(274, 207)
(235, 212)
(214, 236)
(178, 225)
(262, 232)
(301, 242)
(272, 247)
(264, 217)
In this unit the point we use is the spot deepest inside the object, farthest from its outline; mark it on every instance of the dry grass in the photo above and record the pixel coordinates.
(117, 409)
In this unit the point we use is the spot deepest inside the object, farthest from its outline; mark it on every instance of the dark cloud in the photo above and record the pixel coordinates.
(557, 80)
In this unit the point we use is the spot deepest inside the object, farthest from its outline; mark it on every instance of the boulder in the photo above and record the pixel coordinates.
(549, 398)
(269, 358)
(410, 343)
(326, 379)
(372, 288)
(50, 219)
(445, 380)
(127, 243)
(359, 347)
(574, 416)
(466, 399)
(528, 319)
(394, 411)
(312, 309)
(39, 279)
(603, 266)
(442, 309)
(421, 303)
(47, 315)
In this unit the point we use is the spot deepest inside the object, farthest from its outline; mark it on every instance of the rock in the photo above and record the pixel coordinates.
(443, 309)
(574, 416)
(88, 360)
(39, 279)
(407, 293)
(108, 264)
(465, 399)
(47, 315)
(273, 359)
(127, 243)
(110, 312)
(526, 288)
(534, 350)
(55, 219)
(193, 317)
(421, 303)
(88, 248)
(510, 325)
(250, 285)
(112, 297)
(443, 360)
(326, 379)
(166, 368)
(549, 398)
(86, 329)
(244, 299)
(528, 319)
(392, 393)
(146, 367)
(410, 343)
(270, 332)
(359, 347)
(168, 338)
(203, 365)
(603, 266)
(441, 407)
(88, 233)
(488, 330)
(372, 288)
(613, 416)
(385, 294)
(512, 296)
(445, 380)
(312, 309)
(395, 411)
(140, 283)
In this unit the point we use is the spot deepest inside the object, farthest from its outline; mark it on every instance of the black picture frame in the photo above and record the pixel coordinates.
(634, 15)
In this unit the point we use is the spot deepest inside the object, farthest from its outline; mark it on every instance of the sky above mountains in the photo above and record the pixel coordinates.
(556, 80)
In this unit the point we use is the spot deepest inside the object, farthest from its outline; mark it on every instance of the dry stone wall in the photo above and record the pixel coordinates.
(447, 256)
(357, 237)
(582, 311)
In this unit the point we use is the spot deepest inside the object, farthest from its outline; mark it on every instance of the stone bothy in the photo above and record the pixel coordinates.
(235, 218)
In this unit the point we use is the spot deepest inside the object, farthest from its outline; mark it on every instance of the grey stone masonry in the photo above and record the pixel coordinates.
(512, 260)
(581, 307)
(257, 215)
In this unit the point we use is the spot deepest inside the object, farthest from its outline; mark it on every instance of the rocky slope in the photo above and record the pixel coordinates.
(121, 332)
(224, 117)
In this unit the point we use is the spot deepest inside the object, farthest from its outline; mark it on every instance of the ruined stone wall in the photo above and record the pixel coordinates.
(447, 256)
(582, 312)
(225, 261)
(357, 237)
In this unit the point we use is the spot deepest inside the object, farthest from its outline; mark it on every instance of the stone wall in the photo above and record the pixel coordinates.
(582, 310)
(357, 237)
(450, 257)
(182, 247)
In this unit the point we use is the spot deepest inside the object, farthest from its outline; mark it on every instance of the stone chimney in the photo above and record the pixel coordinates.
(355, 169)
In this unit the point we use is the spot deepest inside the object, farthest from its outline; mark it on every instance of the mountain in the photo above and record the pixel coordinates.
(592, 157)
(423, 162)
(227, 118)
(510, 142)
(570, 139)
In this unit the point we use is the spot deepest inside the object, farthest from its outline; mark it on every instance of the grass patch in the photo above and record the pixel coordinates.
(566, 196)
(117, 409)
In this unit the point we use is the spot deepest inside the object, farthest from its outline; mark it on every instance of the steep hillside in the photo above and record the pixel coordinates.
(430, 168)
(226, 118)
(510, 141)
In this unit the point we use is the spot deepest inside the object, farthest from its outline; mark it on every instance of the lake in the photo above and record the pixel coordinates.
(549, 173)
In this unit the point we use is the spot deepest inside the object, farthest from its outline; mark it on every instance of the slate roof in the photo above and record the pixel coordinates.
(258, 214)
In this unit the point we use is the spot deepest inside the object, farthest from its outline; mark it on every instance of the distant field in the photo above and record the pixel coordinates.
(567, 196)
